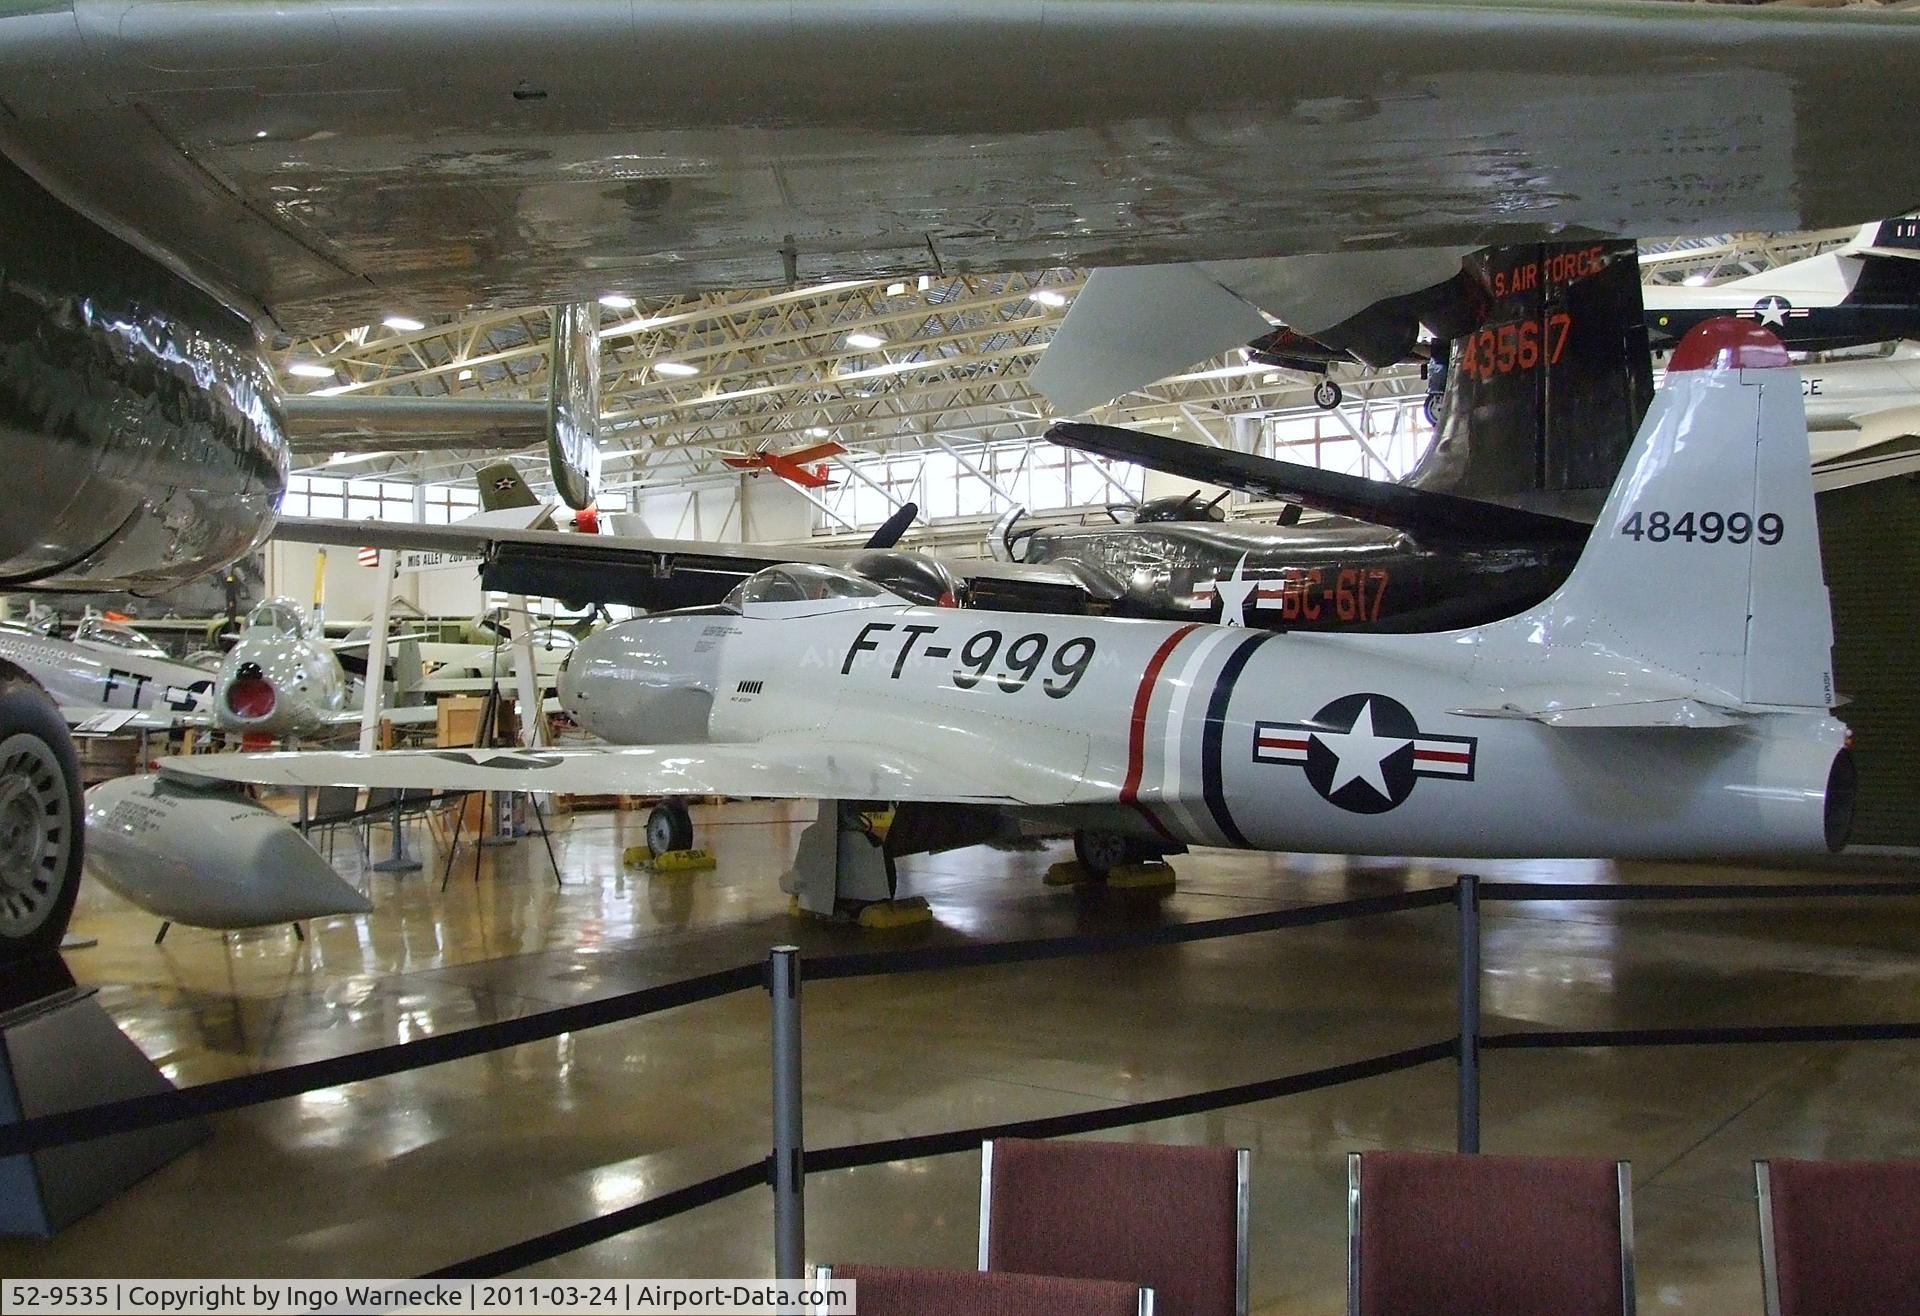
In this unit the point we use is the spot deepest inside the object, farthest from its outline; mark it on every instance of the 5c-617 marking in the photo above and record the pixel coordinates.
(1013, 666)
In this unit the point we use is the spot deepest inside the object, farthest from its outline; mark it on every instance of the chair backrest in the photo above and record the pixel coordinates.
(1443, 1235)
(1839, 1236)
(1171, 1218)
(909, 1291)
(333, 804)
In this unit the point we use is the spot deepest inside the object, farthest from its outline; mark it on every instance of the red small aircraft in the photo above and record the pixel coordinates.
(792, 464)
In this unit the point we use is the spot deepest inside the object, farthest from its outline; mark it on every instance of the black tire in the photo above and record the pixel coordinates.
(1432, 408)
(1102, 852)
(41, 823)
(669, 827)
(1327, 395)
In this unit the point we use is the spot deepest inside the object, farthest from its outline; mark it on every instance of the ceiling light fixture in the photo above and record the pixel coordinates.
(311, 370)
(405, 324)
(464, 376)
(1695, 281)
(817, 432)
(616, 301)
(1048, 297)
(678, 369)
(864, 340)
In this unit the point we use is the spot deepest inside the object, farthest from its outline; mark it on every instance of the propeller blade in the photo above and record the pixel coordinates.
(895, 526)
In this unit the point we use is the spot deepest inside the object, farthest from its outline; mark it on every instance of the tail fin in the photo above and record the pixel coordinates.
(1706, 559)
(1547, 383)
(501, 487)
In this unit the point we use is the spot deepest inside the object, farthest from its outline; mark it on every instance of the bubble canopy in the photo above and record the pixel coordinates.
(805, 583)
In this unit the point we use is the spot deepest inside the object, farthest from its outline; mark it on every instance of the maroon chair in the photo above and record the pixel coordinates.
(1171, 1218)
(907, 1291)
(1445, 1235)
(1840, 1237)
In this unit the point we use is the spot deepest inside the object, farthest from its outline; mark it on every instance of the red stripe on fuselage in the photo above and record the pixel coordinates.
(1137, 728)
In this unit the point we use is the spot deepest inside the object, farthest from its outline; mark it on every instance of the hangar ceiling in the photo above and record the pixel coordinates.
(877, 365)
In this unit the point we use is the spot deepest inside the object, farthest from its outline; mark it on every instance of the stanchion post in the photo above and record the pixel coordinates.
(789, 1170)
(1467, 901)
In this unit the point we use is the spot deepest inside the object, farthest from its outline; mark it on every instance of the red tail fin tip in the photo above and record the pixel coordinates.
(1726, 343)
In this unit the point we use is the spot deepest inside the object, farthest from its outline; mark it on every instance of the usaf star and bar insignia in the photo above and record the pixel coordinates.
(1364, 752)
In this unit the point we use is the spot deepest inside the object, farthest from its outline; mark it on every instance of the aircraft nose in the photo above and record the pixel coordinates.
(251, 695)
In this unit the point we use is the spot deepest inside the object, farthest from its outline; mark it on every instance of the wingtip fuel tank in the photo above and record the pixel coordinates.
(208, 858)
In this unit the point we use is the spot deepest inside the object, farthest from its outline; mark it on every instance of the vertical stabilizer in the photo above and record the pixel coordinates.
(1705, 562)
(1544, 392)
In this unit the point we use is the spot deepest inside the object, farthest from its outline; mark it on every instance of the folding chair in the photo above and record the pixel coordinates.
(1839, 1236)
(334, 807)
(905, 1291)
(1171, 1218)
(1433, 1234)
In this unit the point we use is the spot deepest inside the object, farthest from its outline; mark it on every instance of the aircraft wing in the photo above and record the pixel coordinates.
(669, 573)
(402, 424)
(1131, 327)
(1418, 511)
(325, 165)
(1876, 461)
(767, 770)
(106, 721)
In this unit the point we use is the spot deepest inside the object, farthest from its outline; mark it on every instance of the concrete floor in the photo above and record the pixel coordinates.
(400, 1175)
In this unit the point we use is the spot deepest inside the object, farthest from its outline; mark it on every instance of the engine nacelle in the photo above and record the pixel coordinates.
(140, 429)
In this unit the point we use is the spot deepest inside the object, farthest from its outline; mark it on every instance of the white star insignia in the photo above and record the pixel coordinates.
(1362, 755)
(1773, 311)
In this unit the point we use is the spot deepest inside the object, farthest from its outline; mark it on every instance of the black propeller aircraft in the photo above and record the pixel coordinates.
(1548, 386)
(1550, 376)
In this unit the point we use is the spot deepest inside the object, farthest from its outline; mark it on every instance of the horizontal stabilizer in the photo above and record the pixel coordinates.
(1417, 511)
(1682, 713)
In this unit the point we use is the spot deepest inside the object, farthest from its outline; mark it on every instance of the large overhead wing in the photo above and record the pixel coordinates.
(1131, 327)
(671, 573)
(807, 769)
(324, 165)
(355, 423)
(1418, 511)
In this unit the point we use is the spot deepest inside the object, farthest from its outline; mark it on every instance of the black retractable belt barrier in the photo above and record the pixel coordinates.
(1114, 1117)
(518, 1256)
(867, 964)
(1580, 891)
(1533, 1040)
(251, 1089)
(230, 1094)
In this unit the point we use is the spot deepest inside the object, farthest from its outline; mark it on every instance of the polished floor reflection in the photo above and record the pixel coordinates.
(400, 1175)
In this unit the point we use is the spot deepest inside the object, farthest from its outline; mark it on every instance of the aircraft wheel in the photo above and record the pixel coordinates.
(40, 820)
(1102, 852)
(669, 827)
(1327, 395)
(1432, 408)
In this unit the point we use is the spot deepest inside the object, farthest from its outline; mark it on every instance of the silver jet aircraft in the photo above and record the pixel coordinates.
(1615, 718)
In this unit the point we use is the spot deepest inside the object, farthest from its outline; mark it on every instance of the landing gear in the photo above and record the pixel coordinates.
(40, 813)
(1102, 852)
(1327, 395)
(669, 828)
(1115, 859)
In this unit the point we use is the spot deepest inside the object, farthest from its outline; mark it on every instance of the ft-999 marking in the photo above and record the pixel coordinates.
(1019, 663)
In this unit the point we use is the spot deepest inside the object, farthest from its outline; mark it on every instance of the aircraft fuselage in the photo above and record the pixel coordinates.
(1210, 735)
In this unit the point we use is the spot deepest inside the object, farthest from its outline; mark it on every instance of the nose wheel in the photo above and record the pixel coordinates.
(669, 828)
(39, 823)
(1327, 395)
